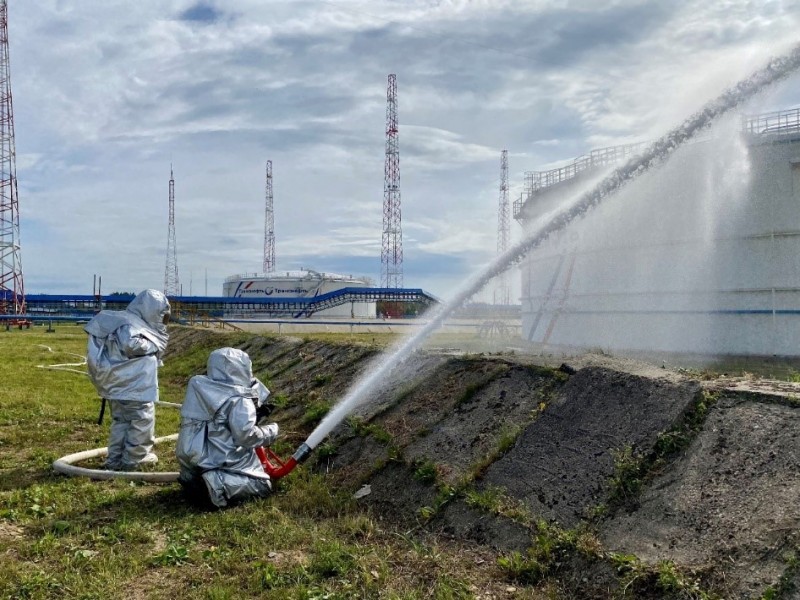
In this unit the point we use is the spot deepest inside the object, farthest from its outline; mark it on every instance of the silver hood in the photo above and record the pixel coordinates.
(218, 418)
(145, 315)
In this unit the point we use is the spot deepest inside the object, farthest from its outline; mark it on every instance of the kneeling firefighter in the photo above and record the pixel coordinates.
(222, 423)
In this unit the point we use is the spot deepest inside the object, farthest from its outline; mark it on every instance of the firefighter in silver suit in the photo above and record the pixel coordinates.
(124, 352)
(221, 426)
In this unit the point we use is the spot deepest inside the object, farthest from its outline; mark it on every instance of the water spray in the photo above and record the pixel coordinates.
(776, 70)
(655, 154)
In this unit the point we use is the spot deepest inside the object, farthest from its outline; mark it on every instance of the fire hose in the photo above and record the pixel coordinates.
(65, 465)
(273, 465)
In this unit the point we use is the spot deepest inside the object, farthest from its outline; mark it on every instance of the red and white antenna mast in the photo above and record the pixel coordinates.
(392, 241)
(171, 284)
(12, 289)
(269, 225)
(502, 294)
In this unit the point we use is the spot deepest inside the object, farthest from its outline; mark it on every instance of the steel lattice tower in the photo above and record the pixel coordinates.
(12, 289)
(269, 225)
(171, 282)
(503, 293)
(392, 241)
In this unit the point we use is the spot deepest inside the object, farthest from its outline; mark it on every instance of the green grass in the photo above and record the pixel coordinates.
(494, 500)
(75, 538)
(632, 469)
(316, 411)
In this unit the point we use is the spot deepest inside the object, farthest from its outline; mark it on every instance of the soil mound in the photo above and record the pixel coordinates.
(729, 505)
(609, 479)
(567, 455)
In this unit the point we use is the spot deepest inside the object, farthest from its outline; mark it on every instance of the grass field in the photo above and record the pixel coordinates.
(75, 538)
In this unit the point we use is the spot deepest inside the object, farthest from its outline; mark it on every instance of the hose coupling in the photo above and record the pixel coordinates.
(302, 453)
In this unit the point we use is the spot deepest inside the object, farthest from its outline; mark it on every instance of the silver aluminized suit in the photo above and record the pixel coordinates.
(219, 433)
(124, 353)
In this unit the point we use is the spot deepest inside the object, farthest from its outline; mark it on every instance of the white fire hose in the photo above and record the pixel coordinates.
(65, 465)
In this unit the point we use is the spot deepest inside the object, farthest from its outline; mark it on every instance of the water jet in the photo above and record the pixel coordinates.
(652, 156)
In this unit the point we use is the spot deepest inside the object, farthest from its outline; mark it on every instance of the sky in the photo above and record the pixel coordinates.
(109, 94)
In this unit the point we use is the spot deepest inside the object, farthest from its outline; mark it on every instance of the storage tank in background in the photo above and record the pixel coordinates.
(303, 283)
(698, 256)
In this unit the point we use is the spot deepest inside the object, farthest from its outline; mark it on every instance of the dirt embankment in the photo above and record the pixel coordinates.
(613, 480)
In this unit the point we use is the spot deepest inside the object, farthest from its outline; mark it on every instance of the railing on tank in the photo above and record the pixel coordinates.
(539, 180)
(242, 276)
(536, 181)
(518, 205)
(771, 123)
(777, 122)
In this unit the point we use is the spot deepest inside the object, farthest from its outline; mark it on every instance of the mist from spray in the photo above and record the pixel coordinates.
(650, 269)
(657, 153)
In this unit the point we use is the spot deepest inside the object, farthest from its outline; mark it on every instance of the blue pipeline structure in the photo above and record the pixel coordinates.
(47, 307)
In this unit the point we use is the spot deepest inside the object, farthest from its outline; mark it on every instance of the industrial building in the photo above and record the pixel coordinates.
(303, 283)
(699, 255)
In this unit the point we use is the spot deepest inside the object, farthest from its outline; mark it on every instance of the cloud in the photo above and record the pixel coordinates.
(108, 93)
(201, 12)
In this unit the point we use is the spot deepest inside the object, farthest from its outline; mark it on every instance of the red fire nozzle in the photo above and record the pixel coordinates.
(277, 468)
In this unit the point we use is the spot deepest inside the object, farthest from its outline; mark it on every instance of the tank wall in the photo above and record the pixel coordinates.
(699, 255)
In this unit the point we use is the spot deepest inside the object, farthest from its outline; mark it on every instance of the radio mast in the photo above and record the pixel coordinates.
(171, 284)
(502, 294)
(392, 242)
(269, 225)
(12, 288)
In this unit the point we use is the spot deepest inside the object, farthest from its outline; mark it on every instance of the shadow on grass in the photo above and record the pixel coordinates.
(25, 477)
(171, 501)
(140, 503)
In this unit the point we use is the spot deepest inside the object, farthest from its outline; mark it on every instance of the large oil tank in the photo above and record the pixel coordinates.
(699, 255)
(304, 283)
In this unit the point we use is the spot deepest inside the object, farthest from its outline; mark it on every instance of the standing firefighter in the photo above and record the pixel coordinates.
(124, 353)
(221, 428)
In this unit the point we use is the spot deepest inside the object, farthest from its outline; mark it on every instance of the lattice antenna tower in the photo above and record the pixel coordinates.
(12, 289)
(392, 239)
(502, 294)
(269, 225)
(171, 283)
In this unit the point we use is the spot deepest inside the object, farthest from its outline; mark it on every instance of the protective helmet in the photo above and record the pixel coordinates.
(230, 365)
(153, 307)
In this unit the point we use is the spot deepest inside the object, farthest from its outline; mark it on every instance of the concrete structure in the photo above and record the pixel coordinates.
(299, 284)
(700, 255)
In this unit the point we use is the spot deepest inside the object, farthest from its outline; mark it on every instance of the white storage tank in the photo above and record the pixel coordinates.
(699, 255)
(303, 283)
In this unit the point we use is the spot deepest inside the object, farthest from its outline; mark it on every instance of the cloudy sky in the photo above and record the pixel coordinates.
(108, 93)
